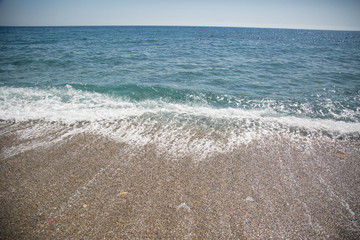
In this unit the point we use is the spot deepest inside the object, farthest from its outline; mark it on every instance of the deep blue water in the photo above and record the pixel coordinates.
(217, 77)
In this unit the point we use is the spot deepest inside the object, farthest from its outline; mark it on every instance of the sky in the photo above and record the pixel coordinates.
(298, 14)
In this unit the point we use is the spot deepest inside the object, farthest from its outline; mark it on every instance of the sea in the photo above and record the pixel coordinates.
(201, 89)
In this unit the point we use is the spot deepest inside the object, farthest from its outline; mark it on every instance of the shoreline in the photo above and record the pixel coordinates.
(89, 186)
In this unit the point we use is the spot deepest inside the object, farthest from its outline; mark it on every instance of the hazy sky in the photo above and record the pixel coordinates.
(310, 14)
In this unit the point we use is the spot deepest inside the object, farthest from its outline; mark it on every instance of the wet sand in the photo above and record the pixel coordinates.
(90, 187)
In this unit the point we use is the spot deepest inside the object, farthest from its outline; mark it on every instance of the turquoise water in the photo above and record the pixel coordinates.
(214, 80)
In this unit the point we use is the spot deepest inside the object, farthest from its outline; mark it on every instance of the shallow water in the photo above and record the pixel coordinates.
(63, 181)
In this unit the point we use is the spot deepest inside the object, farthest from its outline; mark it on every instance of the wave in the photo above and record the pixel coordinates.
(75, 103)
(178, 121)
(316, 106)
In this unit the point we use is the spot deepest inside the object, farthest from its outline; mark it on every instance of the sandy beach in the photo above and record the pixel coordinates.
(91, 187)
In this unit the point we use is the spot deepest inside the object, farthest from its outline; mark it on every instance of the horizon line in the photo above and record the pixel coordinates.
(214, 26)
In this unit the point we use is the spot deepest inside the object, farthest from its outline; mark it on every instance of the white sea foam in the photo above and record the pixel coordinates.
(178, 128)
(70, 105)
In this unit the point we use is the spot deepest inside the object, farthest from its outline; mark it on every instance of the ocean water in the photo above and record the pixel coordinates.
(189, 90)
